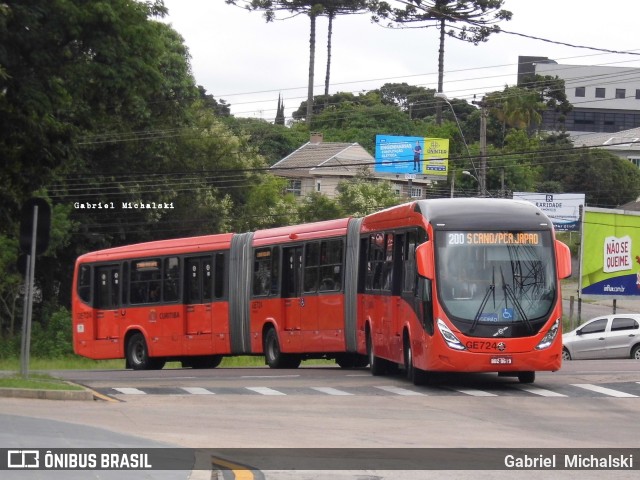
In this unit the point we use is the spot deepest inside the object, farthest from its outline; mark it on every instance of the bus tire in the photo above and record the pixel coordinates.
(527, 377)
(274, 356)
(414, 375)
(138, 353)
(376, 364)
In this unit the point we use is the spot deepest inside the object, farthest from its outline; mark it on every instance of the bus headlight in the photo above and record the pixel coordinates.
(548, 339)
(449, 337)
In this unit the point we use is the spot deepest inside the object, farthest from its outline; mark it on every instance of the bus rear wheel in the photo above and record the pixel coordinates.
(274, 356)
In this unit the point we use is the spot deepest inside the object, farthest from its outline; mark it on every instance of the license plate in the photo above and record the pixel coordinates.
(501, 360)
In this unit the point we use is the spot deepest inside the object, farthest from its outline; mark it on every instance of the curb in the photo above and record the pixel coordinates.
(46, 394)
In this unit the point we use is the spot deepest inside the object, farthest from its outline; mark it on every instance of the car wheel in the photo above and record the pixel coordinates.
(565, 354)
(635, 353)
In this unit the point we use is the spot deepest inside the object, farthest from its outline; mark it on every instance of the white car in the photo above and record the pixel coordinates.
(608, 336)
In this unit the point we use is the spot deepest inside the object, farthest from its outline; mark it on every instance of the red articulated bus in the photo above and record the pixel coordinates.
(434, 285)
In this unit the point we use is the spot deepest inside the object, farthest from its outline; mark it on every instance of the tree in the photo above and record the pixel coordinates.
(332, 8)
(280, 112)
(363, 195)
(478, 19)
(311, 8)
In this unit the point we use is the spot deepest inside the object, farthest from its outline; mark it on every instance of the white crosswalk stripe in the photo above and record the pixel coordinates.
(475, 393)
(265, 391)
(197, 391)
(605, 391)
(543, 392)
(331, 391)
(130, 391)
(401, 391)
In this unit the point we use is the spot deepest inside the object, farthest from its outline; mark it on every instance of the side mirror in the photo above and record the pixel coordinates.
(563, 260)
(579, 332)
(424, 260)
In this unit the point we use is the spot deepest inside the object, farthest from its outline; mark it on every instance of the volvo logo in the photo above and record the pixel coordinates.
(501, 346)
(500, 331)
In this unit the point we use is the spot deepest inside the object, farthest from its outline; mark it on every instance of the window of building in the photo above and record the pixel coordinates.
(600, 92)
(583, 118)
(621, 93)
(295, 187)
(318, 186)
(416, 192)
(635, 161)
(580, 91)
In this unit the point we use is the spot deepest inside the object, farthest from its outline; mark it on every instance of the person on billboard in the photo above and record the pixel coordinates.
(417, 151)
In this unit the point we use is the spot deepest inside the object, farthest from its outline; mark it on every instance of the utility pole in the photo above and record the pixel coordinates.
(482, 179)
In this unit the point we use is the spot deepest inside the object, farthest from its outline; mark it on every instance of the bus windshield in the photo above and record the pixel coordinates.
(495, 278)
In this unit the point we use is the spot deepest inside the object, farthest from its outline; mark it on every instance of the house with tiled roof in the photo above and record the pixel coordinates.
(625, 144)
(319, 166)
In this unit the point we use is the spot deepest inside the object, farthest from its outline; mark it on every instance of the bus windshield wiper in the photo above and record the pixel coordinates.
(485, 299)
(490, 290)
(508, 291)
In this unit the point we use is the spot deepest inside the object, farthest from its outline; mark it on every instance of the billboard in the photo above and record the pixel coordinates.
(562, 208)
(417, 155)
(610, 253)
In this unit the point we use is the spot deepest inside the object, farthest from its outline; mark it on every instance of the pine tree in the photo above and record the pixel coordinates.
(280, 112)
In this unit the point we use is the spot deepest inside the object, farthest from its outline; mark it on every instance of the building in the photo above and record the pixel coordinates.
(604, 98)
(319, 166)
(625, 144)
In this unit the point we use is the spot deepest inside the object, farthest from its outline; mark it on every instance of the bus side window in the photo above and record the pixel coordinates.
(171, 279)
(84, 283)
(219, 268)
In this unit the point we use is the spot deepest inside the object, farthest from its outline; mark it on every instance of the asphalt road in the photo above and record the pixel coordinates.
(587, 404)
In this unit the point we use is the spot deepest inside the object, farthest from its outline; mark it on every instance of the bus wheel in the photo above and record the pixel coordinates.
(527, 377)
(138, 353)
(408, 359)
(274, 357)
(376, 364)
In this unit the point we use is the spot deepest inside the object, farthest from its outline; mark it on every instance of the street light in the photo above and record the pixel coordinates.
(467, 172)
(443, 96)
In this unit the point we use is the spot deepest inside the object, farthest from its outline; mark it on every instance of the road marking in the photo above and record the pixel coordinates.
(130, 391)
(331, 391)
(475, 393)
(265, 391)
(543, 392)
(605, 391)
(269, 376)
(197, 391)
(401, 391)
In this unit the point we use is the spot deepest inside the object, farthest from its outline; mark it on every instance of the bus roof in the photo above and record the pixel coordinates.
(175, 246)
(483, 213)
(306, 231)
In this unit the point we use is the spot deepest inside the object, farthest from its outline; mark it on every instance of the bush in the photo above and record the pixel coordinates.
(50, 339)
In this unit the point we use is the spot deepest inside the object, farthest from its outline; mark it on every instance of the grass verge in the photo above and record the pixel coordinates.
(36, 382)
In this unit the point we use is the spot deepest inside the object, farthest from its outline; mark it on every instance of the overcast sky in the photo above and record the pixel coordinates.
(240, 58)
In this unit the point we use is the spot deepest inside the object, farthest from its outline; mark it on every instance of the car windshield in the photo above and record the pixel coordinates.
(495, 277)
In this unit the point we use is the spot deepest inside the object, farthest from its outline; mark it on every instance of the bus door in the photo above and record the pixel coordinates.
(107, 301)
(292, 300)
(198, 298)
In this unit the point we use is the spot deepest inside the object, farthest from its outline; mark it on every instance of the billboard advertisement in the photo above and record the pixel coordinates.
(562, 208)
(610, 254)
(417, 155)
